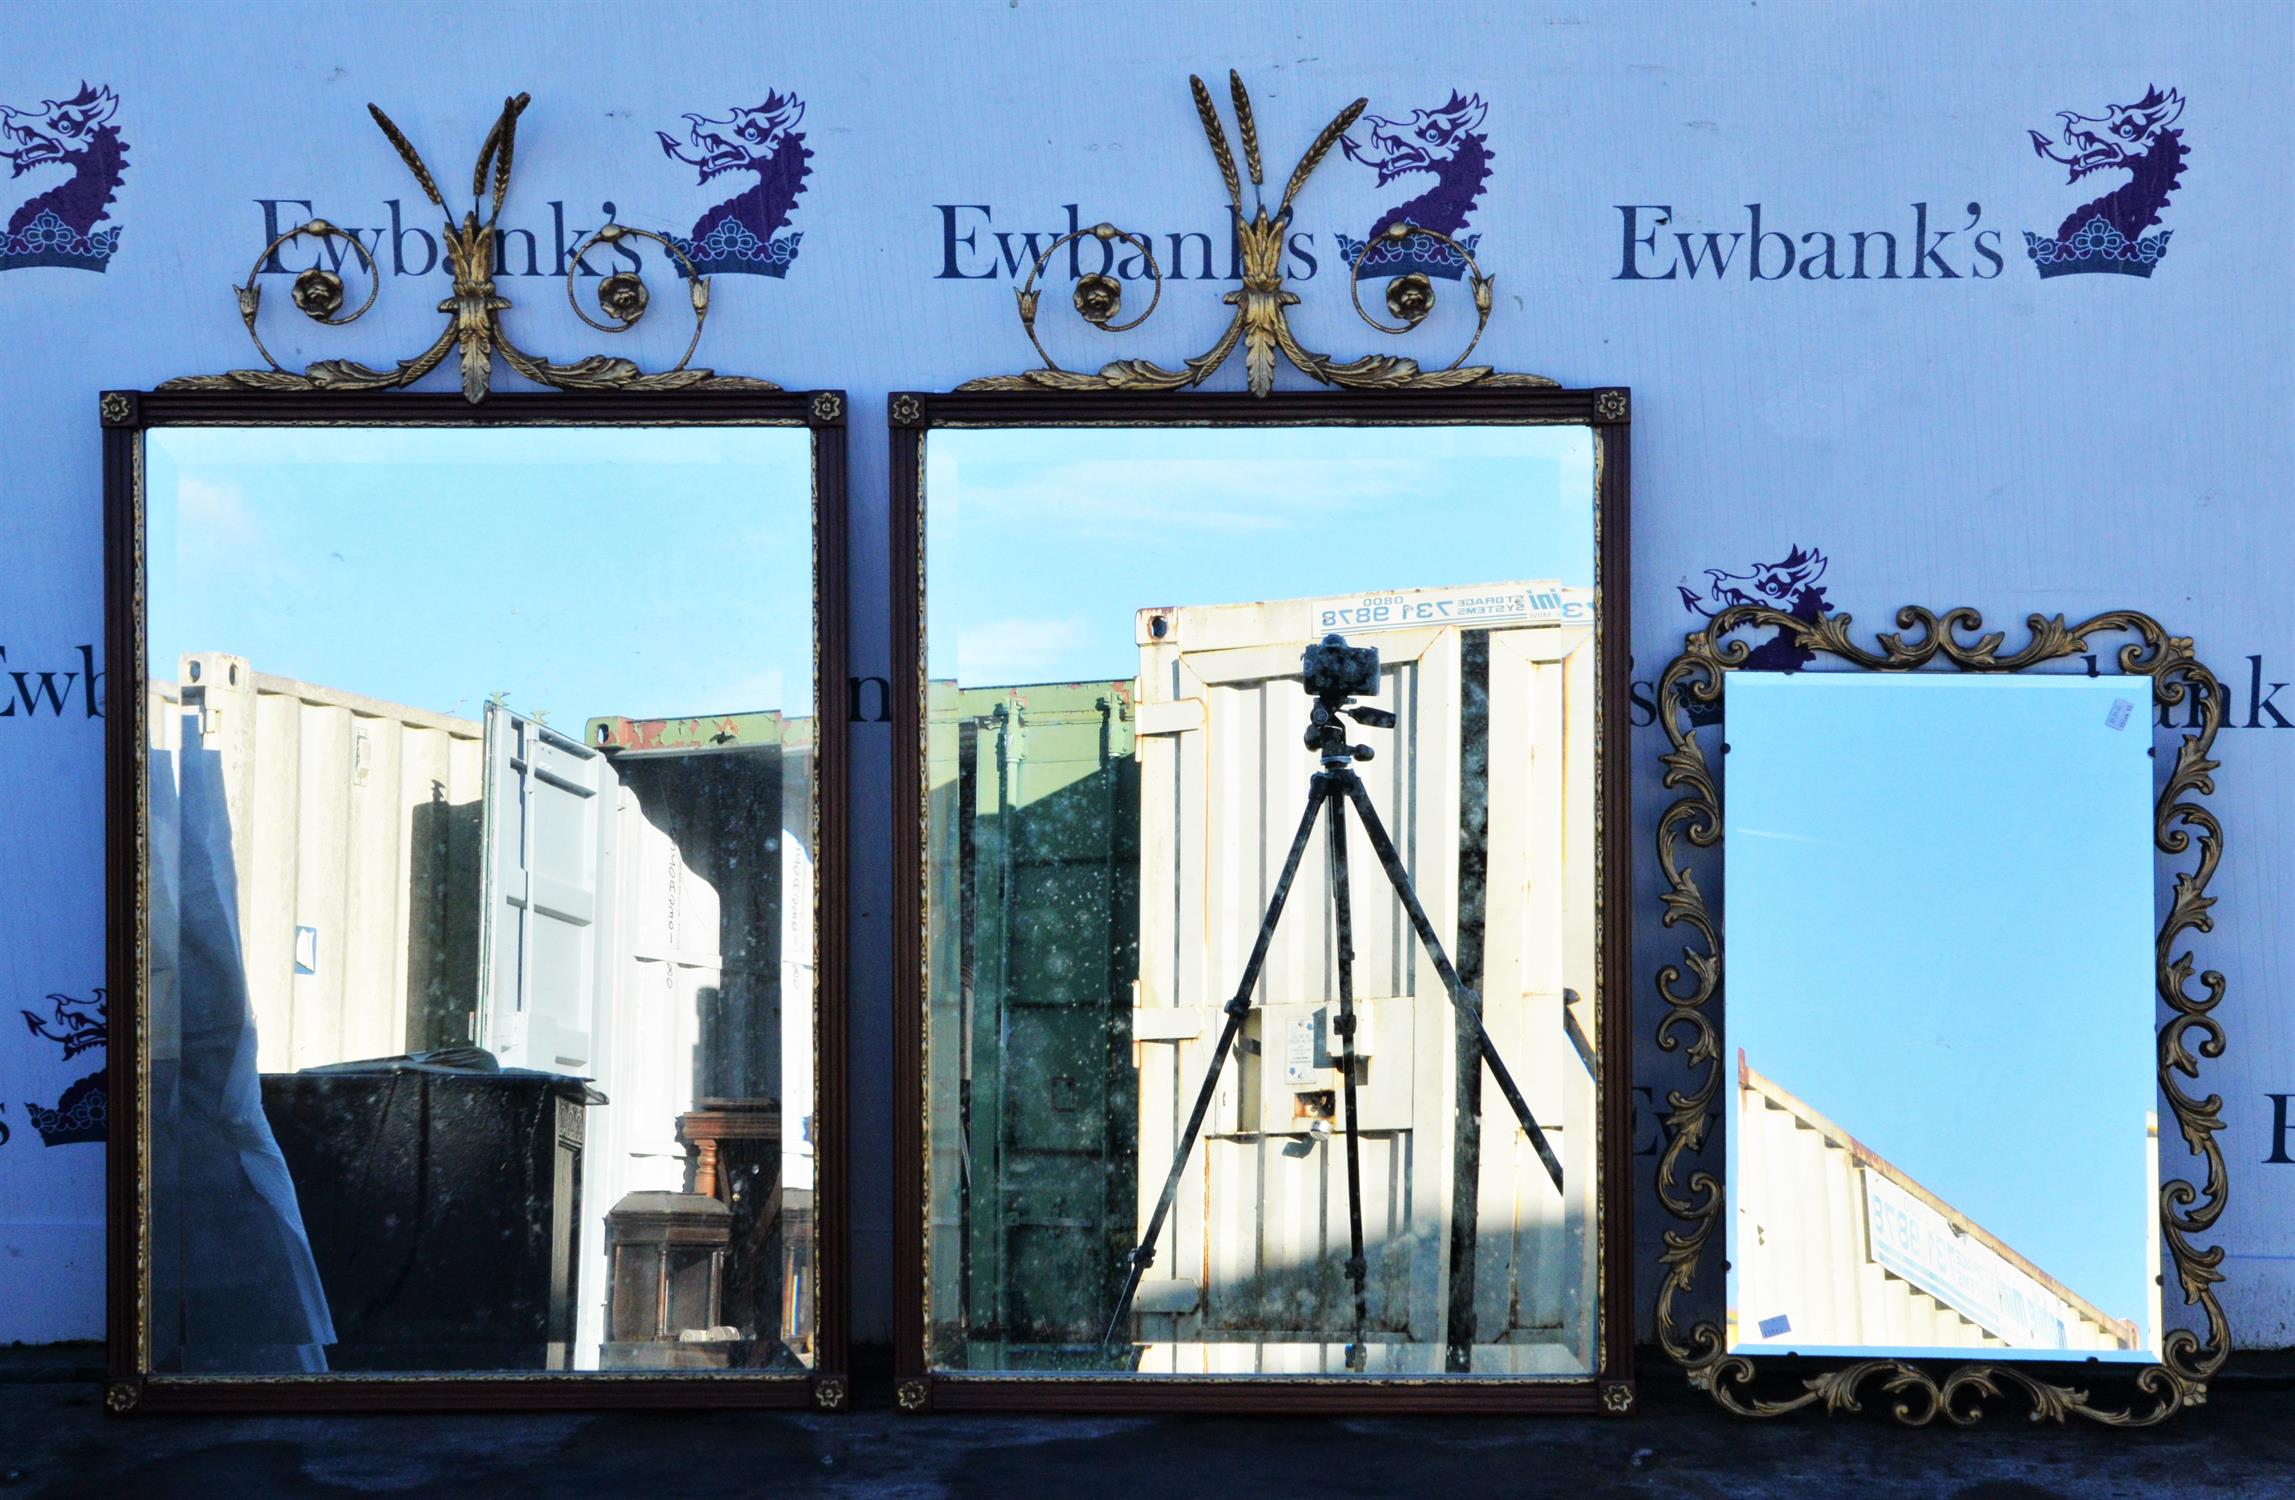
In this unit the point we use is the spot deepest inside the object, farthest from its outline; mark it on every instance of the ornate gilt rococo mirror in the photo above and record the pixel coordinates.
(1262, 997)
(1959, 887)
(477, 857)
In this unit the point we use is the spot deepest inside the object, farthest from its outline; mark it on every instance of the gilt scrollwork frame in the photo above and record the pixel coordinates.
(1691, 991)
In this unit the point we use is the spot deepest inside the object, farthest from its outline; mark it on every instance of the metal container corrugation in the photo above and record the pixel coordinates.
(1806, 1269)
(355, 845)
(1035, 869)
(647, 892)
(1492, 688)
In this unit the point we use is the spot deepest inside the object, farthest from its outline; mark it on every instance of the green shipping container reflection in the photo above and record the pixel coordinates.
(1034, 902)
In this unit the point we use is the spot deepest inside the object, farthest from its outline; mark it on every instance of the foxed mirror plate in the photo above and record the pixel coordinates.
(478, 908)
(1114, 771)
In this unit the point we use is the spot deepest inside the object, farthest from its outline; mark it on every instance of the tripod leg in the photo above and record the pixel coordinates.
(1358, 1269)
(1460, 995)
(1238, 1006)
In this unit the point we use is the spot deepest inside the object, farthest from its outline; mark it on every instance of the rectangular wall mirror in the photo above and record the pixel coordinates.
(1882, 1070)
(477, 871)
(1194, 1104)
(1958, 999)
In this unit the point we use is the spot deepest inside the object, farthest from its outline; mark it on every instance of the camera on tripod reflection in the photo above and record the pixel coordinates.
(1334, 670)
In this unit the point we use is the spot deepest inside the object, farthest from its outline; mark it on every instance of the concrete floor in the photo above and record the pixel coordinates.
(56, 1441)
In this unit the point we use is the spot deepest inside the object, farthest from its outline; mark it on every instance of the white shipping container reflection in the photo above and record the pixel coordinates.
(354, 828)
(410, 881)
(1486, 784)
(1838, 1250)
(649, 926)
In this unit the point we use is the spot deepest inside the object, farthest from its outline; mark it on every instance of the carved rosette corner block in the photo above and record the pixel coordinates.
(1688, 990)
(906, 410)
(122, 1397)
(1261, 325)
(829, 1393)
(1618, 1399)
(912, 1395)
(473, 336)
(1611, 406)
(828, 409)
(117, 408)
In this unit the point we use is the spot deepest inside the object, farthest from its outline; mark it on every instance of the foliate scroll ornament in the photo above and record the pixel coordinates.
(473, 334)
(1919, 1393)
(1261, 325)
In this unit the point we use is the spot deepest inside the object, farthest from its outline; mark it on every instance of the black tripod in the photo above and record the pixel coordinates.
(1333, 673)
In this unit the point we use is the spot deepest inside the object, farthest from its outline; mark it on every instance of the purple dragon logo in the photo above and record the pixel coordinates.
(84, 1112)
(76, 136)
(2108, 233)
(1449, 145)
(742, 233)
(1789, 584)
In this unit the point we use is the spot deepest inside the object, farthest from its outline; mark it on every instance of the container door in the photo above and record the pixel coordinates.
(1252, 1278)
(1039, 881)
(1050, 792)
(1533, 957)
(547, 845)
(1494, 723)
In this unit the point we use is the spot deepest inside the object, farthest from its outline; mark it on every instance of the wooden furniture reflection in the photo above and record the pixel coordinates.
(666, 1258)
(443, 1207)
(734, 1148)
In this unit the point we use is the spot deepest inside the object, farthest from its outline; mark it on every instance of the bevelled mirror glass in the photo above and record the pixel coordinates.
(1943, 1137)
(1945, 1075)
(475, 787)
(1260, 1007)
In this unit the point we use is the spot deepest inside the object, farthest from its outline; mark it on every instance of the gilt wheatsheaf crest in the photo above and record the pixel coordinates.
(1261, 325)
(473, 333)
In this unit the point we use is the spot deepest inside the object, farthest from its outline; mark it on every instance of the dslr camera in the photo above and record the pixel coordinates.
(1333, 670)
